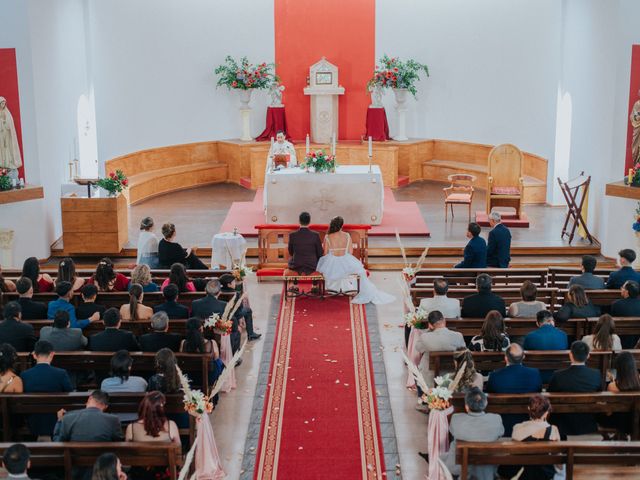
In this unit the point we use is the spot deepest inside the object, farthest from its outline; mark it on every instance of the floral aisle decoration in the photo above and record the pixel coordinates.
(417, 318)
(115, 183)
(410, 271)
(216, 323)
(244, 75)
(240, 272)
(395, 73)
(320, 162)
(5, 180)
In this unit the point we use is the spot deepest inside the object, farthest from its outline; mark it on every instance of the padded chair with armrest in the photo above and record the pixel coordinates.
(460, 192)
(505, 185)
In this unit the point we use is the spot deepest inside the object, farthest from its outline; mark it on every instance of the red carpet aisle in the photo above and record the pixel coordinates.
(404, 216)
(320, 417)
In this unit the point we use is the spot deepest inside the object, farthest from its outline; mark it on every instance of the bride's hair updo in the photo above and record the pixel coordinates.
(336, 224)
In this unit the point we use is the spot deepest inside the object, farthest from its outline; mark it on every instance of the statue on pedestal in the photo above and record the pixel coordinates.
(275, 91)
(324, 91)
(10, 157)
(634, 118)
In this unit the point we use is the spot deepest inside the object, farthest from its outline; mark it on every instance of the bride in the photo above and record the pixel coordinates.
(338, 264)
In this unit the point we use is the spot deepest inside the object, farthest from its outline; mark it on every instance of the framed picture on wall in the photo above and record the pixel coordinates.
(324, 78)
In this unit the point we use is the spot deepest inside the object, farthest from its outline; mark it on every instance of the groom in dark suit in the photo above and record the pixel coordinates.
(305, 248)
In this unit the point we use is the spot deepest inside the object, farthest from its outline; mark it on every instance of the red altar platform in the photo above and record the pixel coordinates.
(276, 121)
(377, 125)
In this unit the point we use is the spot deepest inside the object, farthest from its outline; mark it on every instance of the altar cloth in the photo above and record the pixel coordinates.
(352, 192)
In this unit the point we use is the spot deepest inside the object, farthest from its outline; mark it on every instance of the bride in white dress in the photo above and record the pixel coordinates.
(338, 266)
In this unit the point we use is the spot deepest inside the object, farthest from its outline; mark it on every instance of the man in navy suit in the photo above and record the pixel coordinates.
(475, 253)
(305, 248)
(546, 337)
(499, 246)
(626, 272)
(171, 306)
(43, 378)
(514, 378)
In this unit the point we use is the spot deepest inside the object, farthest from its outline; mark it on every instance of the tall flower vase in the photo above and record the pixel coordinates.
(438, 438)
(401, 108)
(245, 114)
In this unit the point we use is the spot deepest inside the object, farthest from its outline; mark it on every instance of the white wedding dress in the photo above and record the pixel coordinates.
(338, 267)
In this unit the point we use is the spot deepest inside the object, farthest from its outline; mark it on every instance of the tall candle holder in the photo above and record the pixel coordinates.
(70, 171)
(370, 164)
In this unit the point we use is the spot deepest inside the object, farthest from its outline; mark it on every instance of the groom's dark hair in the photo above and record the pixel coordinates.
(305, 219)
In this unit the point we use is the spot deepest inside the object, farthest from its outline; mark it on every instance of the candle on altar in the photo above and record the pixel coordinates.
(333, 144)
(370, 148)
(272, 143)
(307, 145)
(630, 175)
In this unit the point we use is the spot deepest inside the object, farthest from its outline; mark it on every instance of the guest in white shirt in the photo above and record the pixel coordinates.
(604, 337)
(449, 307)
(147, 244)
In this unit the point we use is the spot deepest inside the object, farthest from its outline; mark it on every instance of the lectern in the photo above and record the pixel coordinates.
(324, 91)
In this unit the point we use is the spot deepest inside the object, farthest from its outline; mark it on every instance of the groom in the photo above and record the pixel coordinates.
(305, 249)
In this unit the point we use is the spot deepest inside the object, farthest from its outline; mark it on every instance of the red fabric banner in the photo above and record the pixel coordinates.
(276, 121)
(9, 90)
(377, 125)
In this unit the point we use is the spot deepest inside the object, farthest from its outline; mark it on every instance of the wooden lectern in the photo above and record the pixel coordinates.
(94, 225)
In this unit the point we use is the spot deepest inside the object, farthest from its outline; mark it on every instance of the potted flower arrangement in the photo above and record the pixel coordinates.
(115, 183)
(399, 75)
(5, 180)
(320, 162)
(245, 77)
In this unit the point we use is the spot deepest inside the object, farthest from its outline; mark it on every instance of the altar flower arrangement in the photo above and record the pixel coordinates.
(395, 73)
(5, 180)
(243, 75)
(320, 162)
(115, 183)
(417, 318)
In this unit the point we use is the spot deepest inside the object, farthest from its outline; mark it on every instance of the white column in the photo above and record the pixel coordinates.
(401, 108)
(245, 116)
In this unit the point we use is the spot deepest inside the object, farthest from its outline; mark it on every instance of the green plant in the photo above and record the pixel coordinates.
(244, 75)
(320, 162)
(5, 180)
(114, 183)
(394, 73)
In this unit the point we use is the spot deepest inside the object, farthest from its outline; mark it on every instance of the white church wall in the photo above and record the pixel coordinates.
(153, 63)
(494, 68)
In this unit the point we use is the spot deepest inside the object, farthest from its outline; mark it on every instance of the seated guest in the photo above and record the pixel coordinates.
(121, 380)
(537, 428)
(588, 280)
(142, 275)
(529, 306)
(581, 379)
(65, 293)
(170, 252)
(147, 245)
(546, 337)
(478, 305)
(107, 279)
(15, 332)
(6, 285)
(67, 273)
(10, 382)
(30, 310)
(626, 257)
(42, 282)
(89, 306)
(178, 276)
(576, 305)
(112, 338)
(108, 467)
(43, 378)
(63, 338)
(449, 307)
(90, 424)
(627, 380)
(437, 338)
(203, 308)
(195, 342)
(492, 337)
(159, 337)
(475, 252)
(166, 378)
(604, 338)
(628, 305)
(514, 378)
(462, 358)
(171, 305)
(228, 285)
(135, 310)
(16, 461)
(499, 242)
(473, 426)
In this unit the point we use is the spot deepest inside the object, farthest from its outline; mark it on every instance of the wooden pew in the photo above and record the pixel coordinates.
(156, 274)
(603, 298)
(519, 327)
(84, 454)
(510, 295)
(559, 276)
(143, 363)
(601, 402)
(466, 277)
(546, 453)
(16, 404)
(138, 328)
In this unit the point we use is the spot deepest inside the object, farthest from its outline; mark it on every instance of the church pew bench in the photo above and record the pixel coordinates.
(569, 453)
(138, 328)
(559, 276)
(19, 404)
(600, 402)
(519, 327)
(84, 454)
(602, 298)
(158, 275)
(510, 295)
(466, 277)
(193, 364)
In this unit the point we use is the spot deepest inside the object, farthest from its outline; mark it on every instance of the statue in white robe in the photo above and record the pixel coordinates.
(9, 149)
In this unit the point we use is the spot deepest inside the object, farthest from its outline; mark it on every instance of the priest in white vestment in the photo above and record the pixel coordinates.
(282, 147)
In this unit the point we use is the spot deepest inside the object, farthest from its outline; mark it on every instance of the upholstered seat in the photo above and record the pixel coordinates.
(505, 182)
(460, 192)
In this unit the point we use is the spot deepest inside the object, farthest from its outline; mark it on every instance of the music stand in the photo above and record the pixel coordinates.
(89, 182)
(575, 193)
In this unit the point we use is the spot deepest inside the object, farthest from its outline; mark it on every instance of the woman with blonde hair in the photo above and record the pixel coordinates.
(135, 310)
(147, 244)
(604, 337)
(141, 274)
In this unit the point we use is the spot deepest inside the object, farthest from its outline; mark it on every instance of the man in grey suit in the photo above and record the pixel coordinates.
(449, 307)
(63, 338)
(16, 460)
(90, 424)
(473, 426)
(588, 280)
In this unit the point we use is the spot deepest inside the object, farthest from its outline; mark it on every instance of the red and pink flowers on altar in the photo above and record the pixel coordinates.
(114, 183)
(319, 162)
(244, 75)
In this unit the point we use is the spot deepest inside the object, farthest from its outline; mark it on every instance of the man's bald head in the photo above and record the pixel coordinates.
(514, 354)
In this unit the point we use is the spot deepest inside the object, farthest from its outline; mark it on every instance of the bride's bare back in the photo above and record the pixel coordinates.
(338, 243)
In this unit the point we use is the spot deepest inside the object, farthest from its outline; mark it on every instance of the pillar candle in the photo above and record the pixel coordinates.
(307, 145)
(370, 148)
(630, 175)
(333, 144)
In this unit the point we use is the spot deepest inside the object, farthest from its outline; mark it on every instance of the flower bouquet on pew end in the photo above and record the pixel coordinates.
(410, 271)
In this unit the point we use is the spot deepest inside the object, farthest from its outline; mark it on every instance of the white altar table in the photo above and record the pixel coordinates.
(352, 192)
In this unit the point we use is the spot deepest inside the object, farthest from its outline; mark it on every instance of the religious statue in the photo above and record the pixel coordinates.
(634, 118)
(275, 90)
(376, 96)
(9, 149)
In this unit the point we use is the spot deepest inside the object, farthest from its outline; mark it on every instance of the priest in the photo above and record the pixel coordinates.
(282, 147)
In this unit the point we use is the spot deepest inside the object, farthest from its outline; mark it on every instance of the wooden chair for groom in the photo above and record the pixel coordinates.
(460, 192)
(504, 178)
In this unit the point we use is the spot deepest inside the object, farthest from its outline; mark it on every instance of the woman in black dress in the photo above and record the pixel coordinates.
(170, 252)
